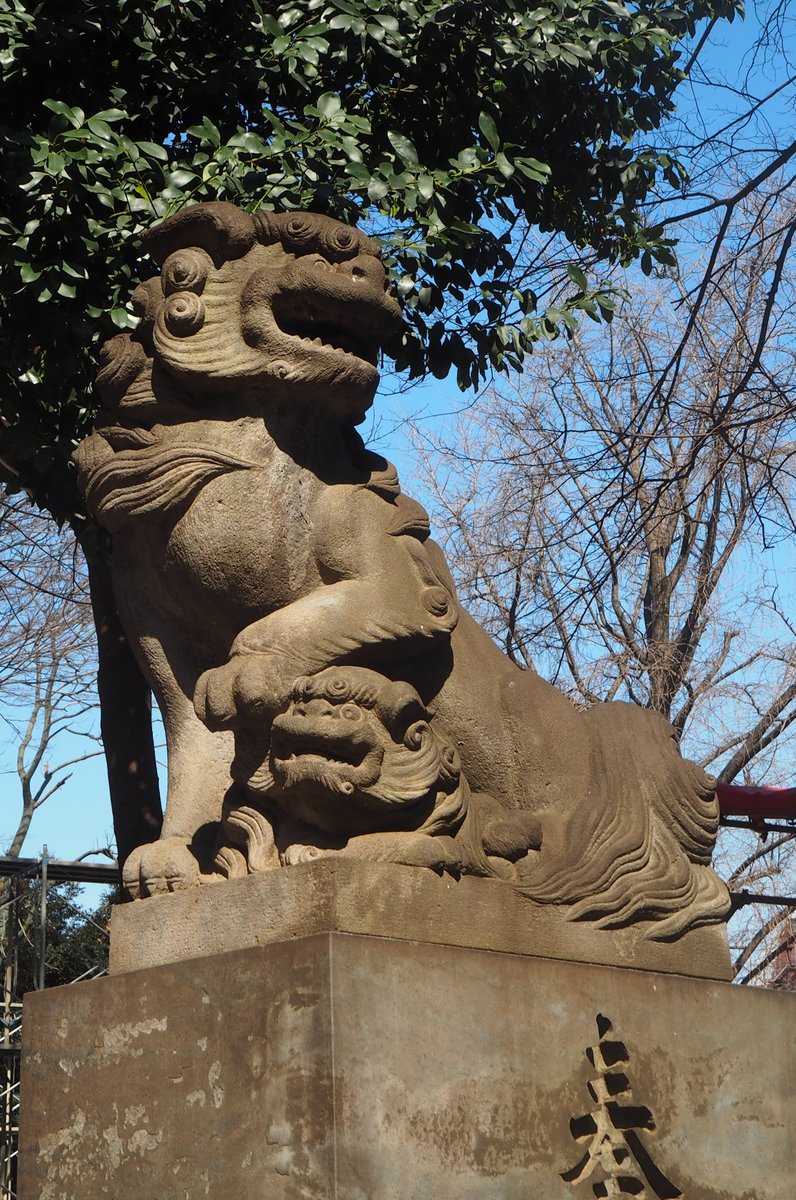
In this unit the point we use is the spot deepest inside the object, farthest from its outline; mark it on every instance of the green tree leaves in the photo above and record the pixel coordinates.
(444, 128)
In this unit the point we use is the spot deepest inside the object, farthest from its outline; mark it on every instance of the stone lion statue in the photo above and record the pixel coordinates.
(258, 546)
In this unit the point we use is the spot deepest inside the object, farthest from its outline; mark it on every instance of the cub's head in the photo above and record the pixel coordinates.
(288, 306)
(355, 751)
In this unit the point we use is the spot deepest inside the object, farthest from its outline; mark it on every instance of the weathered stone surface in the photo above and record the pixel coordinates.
(323, 692)
(389, 901)
(370, 1069)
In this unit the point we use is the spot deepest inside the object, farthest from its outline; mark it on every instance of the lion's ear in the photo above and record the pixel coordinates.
(398, 706)
(221, 229)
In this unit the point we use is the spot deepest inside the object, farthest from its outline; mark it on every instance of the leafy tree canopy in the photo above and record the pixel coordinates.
(77, 939)
(445, 127)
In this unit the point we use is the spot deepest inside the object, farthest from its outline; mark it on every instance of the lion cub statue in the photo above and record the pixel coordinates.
(322, 690)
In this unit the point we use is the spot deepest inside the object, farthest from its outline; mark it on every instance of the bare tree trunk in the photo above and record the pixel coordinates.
(126, 722)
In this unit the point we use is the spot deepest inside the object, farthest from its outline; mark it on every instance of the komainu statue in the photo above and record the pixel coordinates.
(322, 690)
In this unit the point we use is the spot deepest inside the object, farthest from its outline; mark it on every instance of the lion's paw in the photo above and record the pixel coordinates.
(164, 866)
(247, 686)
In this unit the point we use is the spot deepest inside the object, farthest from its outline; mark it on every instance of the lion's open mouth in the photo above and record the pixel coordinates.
(321, 753)
(314, 329)
(337, 752)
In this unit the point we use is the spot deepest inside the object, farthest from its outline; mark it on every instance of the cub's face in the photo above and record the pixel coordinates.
(354, 751)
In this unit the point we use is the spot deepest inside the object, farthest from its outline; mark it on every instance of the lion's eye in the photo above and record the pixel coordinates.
(186, 271)
(351, 712)
(340, 241)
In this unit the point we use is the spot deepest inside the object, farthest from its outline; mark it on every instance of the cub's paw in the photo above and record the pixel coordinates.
(512, 834)
(165, 866)
(410, 849)
(405, 849)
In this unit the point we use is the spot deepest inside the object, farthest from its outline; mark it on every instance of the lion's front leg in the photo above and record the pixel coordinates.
(383, 597)
(318, 631)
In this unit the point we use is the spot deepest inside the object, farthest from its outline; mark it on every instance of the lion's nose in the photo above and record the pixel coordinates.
(319, 708)
(364, 269)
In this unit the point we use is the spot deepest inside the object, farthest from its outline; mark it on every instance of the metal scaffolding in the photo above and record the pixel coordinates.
(25, 887)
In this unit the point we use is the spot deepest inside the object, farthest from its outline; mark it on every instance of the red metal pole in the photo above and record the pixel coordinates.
(756, 802)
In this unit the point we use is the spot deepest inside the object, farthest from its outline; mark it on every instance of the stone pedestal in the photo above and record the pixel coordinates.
(356, 1067)
(382, 899)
